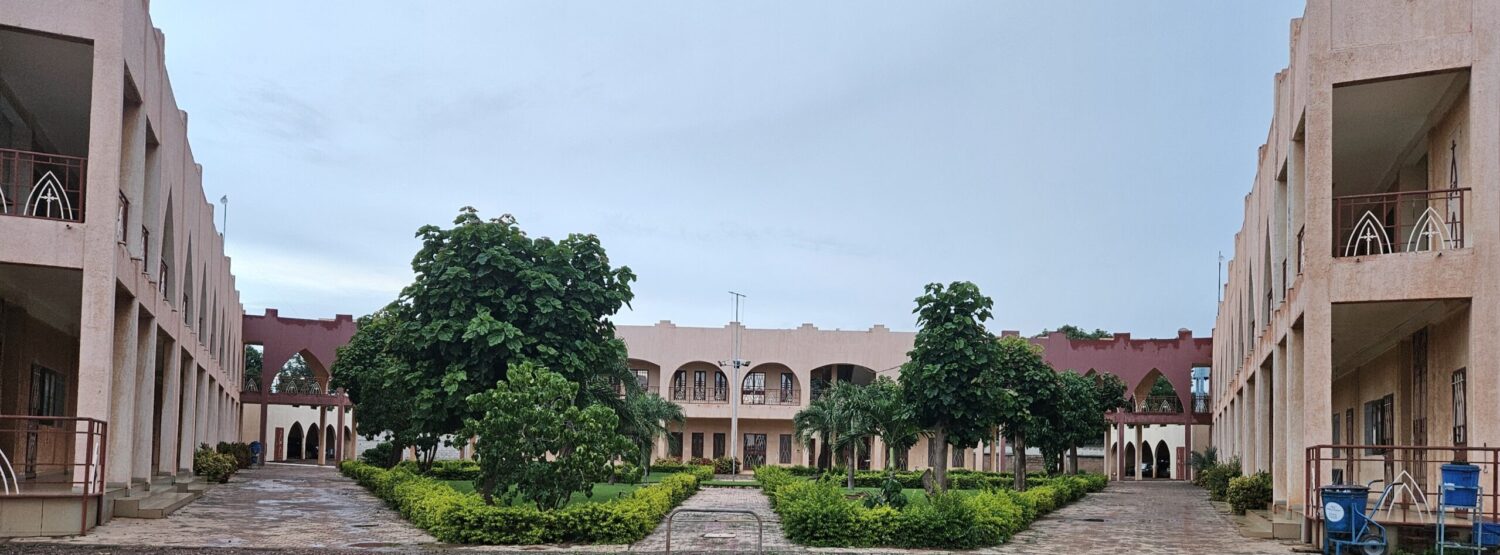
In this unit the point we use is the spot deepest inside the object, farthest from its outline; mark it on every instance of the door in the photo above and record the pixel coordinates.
(755, 450)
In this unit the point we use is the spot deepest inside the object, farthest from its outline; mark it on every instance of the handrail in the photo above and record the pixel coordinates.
(760, 526)
(8, 474)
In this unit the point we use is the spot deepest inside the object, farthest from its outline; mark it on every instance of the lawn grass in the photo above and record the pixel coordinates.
(602, 492)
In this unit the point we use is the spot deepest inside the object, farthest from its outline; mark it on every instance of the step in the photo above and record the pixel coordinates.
(157, 504)
(1251, 525)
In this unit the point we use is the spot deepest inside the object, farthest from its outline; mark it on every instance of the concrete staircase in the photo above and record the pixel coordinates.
(1282, 525)
(159, 498)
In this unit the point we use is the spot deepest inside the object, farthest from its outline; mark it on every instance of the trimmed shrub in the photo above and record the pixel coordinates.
(1249, 492)
(1216, 478)
(945, 521)
(383, 455)
(240, 452)
(724, 465)
(454, 469)
(212, 465)
(627, 473)
(455, 517)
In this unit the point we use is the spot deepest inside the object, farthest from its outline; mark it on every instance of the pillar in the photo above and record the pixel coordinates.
(145, 402)
(189, 423)
(1276, 448)
(338, 434)
(322, 436)
(1295, 456)
(171, 399)
(1264, 415)
(121, 432)
(1120, 450)
(1139, 453)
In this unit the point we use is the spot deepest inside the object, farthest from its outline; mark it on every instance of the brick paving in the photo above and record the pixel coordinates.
(304, 509)
(279, 506)
(702, 532)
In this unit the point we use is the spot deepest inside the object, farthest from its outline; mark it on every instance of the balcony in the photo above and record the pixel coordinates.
(775, 396)
(1407, 221)
(37, 185)
(700, 395)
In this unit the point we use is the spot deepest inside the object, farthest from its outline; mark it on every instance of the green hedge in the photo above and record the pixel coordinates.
(1216, 478)
(1249, 492)
(455, 517)
(818, 513)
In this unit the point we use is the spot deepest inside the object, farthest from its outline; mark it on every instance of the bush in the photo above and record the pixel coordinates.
(240, 452)
(1249, 492)
(212, 465)
(454, 469)
(382, 455)
(464, 518)
(1216, 478)
(725, 465)
(626, 473)
(666, 465)
(817, 513)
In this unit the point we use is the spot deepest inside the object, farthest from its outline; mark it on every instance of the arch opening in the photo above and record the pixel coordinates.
(294, 441)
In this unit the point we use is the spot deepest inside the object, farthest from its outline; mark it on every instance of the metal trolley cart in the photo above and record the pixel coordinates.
(1349, 528)
(1461, 492)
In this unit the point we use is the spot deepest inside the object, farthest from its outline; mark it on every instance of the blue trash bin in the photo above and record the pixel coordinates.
(1343, 507)
(1488, 534)
(1464, 479)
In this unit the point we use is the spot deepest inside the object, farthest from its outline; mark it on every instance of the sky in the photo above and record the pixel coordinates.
(1082, 162)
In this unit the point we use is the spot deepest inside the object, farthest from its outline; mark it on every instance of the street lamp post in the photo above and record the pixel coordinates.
(734, 384)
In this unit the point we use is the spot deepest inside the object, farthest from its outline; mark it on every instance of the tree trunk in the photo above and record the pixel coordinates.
(939, 442)
(1019, 443)
(1073, 460)
(853, 462)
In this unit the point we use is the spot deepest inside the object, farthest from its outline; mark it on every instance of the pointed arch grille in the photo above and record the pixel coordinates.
(1407, 221)
(38, 185)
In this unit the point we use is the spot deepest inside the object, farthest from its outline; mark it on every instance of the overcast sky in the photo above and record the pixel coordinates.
(1083, 162)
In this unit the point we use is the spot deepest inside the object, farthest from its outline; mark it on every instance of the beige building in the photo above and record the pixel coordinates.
(119, 319)
(1361, 303)
(783, 370)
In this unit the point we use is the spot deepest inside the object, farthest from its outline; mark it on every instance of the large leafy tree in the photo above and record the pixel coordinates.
(254, 362)
(1023, 371)
(535, 442)
(487, 297)
(382, 386)
(951, 379)
(295, 377)
(1067, 420)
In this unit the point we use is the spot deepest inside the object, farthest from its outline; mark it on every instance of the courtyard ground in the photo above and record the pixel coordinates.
(296, 509)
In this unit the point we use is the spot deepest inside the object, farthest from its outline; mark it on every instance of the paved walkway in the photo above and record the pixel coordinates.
(1154, 518)
(700, 532)
(279, 506)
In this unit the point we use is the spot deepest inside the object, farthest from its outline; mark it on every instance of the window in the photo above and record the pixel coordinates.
(754, 392)
(697, 445)
(1349, 431)
(788, 388)
(1338, 427)
(122, 218)
(699, 379)
(49, 392)
(679, 386)
(643, 378)
(674, 446)
(719, 445)
(958, 457)
(1378, 421)
(1460, 408)
(721, 387)
(784, 456)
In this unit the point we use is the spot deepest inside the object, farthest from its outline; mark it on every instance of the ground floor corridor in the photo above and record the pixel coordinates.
(310, 509)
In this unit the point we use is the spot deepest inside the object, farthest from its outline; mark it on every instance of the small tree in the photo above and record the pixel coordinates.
(890, 417)
(1034, 386)
(950, 379)
(647, 417)
(840, 419)
(1074, 332)
(535, 443)
(383, 389)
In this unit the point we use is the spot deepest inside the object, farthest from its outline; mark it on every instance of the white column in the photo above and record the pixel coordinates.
(122, 394)
(171, 399)
(188, 424)
(145, 403)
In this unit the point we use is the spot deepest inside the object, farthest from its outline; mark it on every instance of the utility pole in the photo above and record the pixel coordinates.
(224, 200)
(734, 380)
(1219, 286)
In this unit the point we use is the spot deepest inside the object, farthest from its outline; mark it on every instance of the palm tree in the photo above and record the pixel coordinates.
(890, 417)
(645, 418)
(841, 417)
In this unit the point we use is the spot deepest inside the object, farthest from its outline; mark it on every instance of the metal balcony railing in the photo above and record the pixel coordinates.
(1202, 403)
(771, 396)
(1159, 404)
(1408, 221)
(697, 395)
(37, 185)
(1416, 471)
(53, 456)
